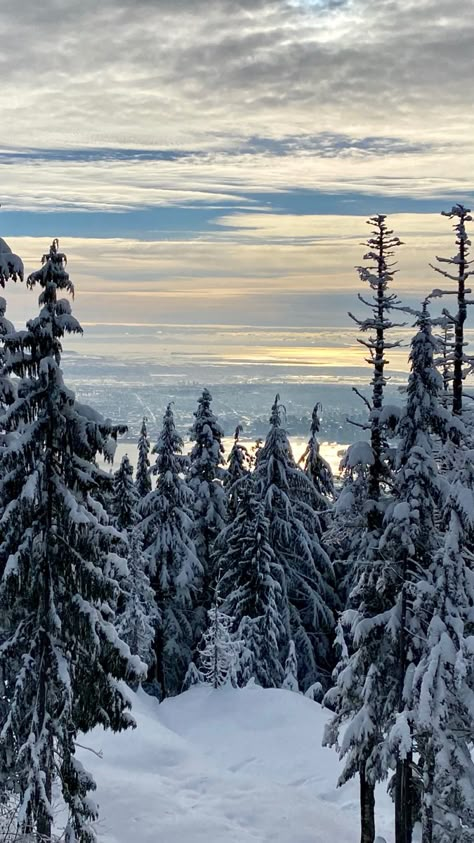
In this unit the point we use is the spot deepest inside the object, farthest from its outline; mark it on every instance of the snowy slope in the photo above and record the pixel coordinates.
(225, 766)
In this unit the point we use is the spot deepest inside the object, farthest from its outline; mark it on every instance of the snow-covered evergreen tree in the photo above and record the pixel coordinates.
(205, 477)
(306, 573)
(238, 462)
(193, 677)
(137, 622)
(7, 388)
(459, 271)
(386, 635)
(60, 657)
(378, 275)
(253, 590)
(238, 468)
(125, 496)
(359, 512)
(445, 358)
(142, 477)
(11, 266)
(442, 687)
(174, 568)
(290, 682)
(218, 657)
(315, 466)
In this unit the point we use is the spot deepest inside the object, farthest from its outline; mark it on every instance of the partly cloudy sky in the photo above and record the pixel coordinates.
(212, 163)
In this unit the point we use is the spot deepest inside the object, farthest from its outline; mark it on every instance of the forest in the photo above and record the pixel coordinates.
(200, 568)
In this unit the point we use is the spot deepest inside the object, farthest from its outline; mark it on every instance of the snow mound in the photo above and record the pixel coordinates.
(224, 766)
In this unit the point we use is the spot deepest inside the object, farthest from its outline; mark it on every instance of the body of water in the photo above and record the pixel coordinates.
(331, 451)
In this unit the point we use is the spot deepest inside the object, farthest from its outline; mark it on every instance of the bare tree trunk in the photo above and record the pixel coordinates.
(403, 773)
(367, 808)
(427, 808)
(403, 801)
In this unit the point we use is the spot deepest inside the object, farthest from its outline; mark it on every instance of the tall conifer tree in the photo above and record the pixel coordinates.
(316, 467)
(386, 635)
(125, 497)
(238, 469)
(174, 568)
(367, 467)
(139, 618)
(205, 477)
(142, 478)
(254, 590)
(306, 572)
(60, 657)
(459, 272)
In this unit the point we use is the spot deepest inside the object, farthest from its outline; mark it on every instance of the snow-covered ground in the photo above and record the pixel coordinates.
(225, 766)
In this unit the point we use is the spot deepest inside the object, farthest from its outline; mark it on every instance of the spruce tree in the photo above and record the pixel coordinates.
(11, 266)
(205, 477)
(444, 360)
(142, 478)
(368, 466)
(372, 692)
(60, 657)
(7, 388)
(306, 573)
(238, 469)
(459, 272)
(253, 590)
(139, 618)
(290, 682)
(378, 275)
(219, 655)
(125, 496)
(315, 466)
(442, 702)
(174, 568)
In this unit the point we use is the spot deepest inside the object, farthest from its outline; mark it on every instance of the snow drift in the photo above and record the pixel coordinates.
(224, 766)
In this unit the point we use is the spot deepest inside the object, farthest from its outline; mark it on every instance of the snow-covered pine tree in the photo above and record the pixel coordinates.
(444, 360)
(142, 477)
(306, 573)
(378, 275)
(459, 271)
(316, 467)
(290, 682)
(368, 468)
(174, 568)
(125, 496)
(442, 703)
(253, 590)
(238, 463)
(11, 266)
(205, 477)
(193, 677)
(372, 693)
(238, 468)
(7, 388)
(348, 525)
(219, 655)
(139, 618)
(60, 656)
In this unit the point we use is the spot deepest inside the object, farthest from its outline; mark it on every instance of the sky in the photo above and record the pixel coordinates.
(209, 166)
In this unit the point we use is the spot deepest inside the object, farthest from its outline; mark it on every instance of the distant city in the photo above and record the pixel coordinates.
(125, 393)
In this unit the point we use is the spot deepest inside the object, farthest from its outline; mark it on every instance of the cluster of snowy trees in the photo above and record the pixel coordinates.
(233, 553)
(255, 568)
